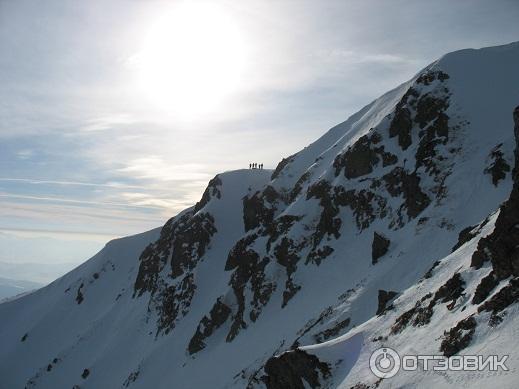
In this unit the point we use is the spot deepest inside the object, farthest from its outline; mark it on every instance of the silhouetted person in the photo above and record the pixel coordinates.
(250, 165)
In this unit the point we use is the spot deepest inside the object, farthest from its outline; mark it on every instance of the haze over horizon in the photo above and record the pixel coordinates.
(112, 121)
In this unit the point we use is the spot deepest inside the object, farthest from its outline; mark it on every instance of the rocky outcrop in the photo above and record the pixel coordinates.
(295, 369)
(422, 312)
(464, 236)
(430, 76)
(400, 182)
(486, 285)
(281, 165)
(182, 243)
(249, 273)
(501, 247)
(217, 316)
(360, 159)
(259, 209)
(212, 191)
(379, 247)
(401, 124)
(384, 297)
(79, 295)
(298, 187)
(458, 337)
(335, 330)
(498, 166)
(505, 297)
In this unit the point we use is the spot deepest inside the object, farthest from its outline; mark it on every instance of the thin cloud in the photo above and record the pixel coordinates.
(25, 154)
(35, 232)
(154, 167)
(52, 212)
(115, 185)
(107, 123)
(358, 57)
(74, 201)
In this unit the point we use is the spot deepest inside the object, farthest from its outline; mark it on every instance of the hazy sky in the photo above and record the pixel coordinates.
(95, 141)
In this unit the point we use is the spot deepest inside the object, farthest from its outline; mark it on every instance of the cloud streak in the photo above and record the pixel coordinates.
(114, 185)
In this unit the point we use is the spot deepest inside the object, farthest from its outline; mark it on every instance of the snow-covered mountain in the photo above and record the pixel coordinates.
(389, 231)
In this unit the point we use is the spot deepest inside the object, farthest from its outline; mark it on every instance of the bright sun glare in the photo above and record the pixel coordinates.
(191, 60)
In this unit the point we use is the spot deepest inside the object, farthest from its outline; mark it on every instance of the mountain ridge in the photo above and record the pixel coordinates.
(372, 209)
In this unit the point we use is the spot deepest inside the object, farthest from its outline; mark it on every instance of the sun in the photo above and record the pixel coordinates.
(192, 59)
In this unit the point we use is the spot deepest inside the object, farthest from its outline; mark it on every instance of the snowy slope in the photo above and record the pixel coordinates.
(307, 255)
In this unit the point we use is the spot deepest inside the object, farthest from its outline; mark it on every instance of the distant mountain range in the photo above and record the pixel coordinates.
(39, 273)
(11, 288)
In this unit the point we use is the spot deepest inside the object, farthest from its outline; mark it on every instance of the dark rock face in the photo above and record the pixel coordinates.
(501, 247)
(329, 223)
(79, 296)
(293, 369)
(217, 316)
(174, 301)
(365, 205)
(402, 124)
(212, 191)
(401, 183)
(183, 242)
(259, 209)
(484, 288)
(298, 187)
(384, 297)
(279, 227)
(333, 331)
(287, 255)
(403, 320)
(436, 134)
(430, 76)
(379, 248)
(360, 159)
(498, 166)
(429, 108)
(458, 337)
(422, 312)
(451, 290)
(284, 162)
(249, 271)
(506, 296)
(464, 236)
(190, 243)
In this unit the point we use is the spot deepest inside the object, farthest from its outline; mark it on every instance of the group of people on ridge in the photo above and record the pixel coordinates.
(255, 165)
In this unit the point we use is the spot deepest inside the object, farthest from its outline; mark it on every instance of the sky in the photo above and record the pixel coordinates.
(115, 114)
